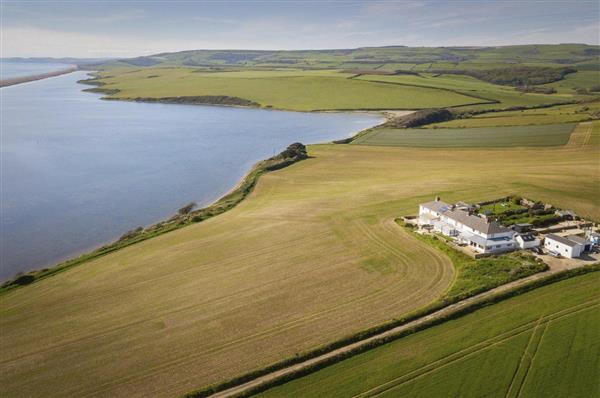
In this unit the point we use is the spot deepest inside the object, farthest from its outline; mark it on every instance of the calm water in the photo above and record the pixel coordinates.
(77, 172)
(20, 69)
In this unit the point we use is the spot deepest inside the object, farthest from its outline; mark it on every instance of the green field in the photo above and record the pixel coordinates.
(555, 115)
(572, 82)
(293, 90)
(311, 256)
(504, 95)
(549, 135)
(540, 344)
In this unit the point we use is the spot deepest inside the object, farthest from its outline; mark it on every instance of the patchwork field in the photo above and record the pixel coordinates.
(293, 90)
(580, 80)
(311, 256)
(549, 135)
(506, 96)
(542, 343)
(555, 115)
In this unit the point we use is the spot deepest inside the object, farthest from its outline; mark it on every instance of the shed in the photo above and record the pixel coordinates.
(523, 227)
(527, 241)
(563, 246)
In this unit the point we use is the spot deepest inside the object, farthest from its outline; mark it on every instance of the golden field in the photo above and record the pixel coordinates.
(311, 256)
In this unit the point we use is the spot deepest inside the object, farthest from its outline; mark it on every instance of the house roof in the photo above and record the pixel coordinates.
(435, 205)
(475, 222)
(562, 239)
(577, 239)
(472, 221)
(527, 237)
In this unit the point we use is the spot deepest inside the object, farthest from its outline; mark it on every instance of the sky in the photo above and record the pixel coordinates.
(46, 28)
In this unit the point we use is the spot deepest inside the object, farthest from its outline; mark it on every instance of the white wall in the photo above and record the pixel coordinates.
(563, 249)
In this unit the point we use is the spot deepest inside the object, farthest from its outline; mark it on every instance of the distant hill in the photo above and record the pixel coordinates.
(390, 58)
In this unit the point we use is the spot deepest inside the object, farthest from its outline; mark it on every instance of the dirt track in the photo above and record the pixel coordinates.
(392, 332)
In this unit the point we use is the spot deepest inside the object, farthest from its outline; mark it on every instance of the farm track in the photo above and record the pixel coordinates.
(520, 377)
(234, 391)
(537, 329)
(580, 137)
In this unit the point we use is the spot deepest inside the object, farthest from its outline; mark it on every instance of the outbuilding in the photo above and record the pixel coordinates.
(522, 228)
(563, 246)
(527, 241)
(587, 244)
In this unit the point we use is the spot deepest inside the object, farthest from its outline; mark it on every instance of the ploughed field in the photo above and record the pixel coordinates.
(311, 256)
(539, 344)
(513, 136)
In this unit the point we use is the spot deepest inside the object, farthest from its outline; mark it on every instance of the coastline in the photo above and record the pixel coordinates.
(31, 78)
(225, 202)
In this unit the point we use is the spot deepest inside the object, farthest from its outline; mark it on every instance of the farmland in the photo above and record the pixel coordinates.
(503, 96)
(311, 256)
(550, 135)
(291, 90)
(542, 343)
(555, 115)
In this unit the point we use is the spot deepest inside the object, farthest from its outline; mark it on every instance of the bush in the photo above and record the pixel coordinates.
(131, 233)
(421, 118)
(24, 280)
(187, 208)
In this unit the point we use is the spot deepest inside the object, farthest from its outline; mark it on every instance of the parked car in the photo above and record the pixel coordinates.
(554, 254)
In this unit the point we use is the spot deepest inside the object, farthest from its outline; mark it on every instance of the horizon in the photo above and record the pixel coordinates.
(93, 29)
(302, 49)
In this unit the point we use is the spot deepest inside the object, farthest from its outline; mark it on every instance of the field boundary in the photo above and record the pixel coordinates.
(488, 101)
(301, 365)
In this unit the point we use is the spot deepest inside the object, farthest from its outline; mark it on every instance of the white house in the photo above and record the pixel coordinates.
(483, 236)
(565, 246)
(527, 241)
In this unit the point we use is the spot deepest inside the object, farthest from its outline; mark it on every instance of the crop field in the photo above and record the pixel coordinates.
(311, 256)
(554, 115)
(507, 96)
(542, 343)
(572, 82)
(550, 135)
(291, 90)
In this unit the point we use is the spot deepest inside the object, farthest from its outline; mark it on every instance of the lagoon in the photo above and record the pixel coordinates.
(77, 171)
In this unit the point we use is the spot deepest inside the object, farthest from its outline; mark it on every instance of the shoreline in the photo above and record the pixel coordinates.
(223, 203)
(11, 81)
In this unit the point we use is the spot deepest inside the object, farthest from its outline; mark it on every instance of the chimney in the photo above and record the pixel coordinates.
(437, 198)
